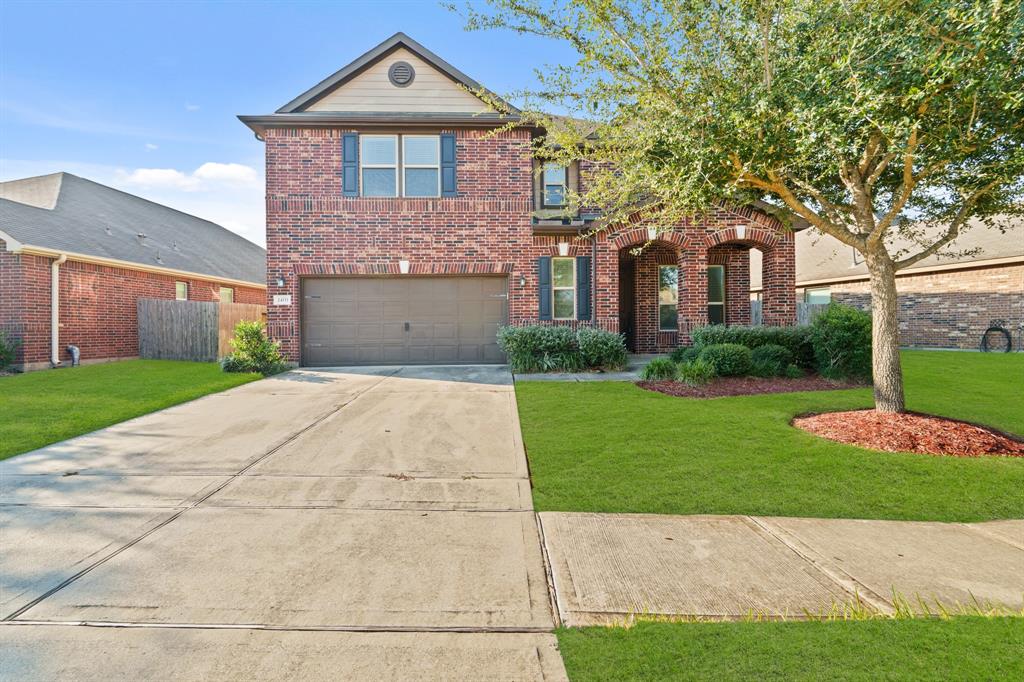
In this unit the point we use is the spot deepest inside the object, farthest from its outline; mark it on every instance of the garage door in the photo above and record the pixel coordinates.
(402, 320)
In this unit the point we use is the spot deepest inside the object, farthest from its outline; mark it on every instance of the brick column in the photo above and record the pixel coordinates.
(779, 282)
(693, 290)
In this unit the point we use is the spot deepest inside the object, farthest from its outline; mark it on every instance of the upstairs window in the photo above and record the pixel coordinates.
(668, 298)
(554, 182)
(563, 288)
(716, 294)
(421, 165)
(378, 158)
(181, 291)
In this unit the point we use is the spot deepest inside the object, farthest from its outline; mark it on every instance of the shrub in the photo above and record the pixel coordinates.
(728, 359)
(696, 372)
(8, 349)
(659, 369)
(560, 348)
(841, 337)
(797, 340)
(254, 352)
(685, 354)
(794, 372)
(600, 348)
(771, 360)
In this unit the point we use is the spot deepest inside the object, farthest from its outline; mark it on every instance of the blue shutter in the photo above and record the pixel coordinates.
(449, 180)
(544, 287)
(583, 306)
(350, 164)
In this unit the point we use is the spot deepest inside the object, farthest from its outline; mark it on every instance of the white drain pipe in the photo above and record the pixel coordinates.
(55, 309)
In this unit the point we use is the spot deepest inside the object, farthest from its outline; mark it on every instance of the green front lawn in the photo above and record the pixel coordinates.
(964, 648)
(612, 447)
(39, 408)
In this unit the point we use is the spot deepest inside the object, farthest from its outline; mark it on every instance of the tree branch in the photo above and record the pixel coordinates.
(953, 231)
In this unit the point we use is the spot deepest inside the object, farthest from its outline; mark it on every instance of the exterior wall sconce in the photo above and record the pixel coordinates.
(403, 267)
(522, 280)
(280, 281)
(652, 233)
(741, 232)
(563, 248)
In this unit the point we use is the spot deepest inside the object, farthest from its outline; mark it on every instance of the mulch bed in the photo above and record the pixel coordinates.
(731, 386)
(910, 432)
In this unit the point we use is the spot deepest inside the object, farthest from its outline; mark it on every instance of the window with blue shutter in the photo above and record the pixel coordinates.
(350, 165)
(449, 177)
(544, 287)
(584, 308)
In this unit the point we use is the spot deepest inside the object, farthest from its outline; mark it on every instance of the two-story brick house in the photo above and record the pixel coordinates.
(403, 227)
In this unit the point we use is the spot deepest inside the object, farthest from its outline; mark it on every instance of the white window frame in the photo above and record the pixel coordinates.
(396, 167)
(222, 290)
(725, 293)
(437, 166)
(183, 284)
(544, 185)
(660, 304)
(811, 290)
(572, 288)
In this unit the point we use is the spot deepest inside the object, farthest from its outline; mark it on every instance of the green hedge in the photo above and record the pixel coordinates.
(728, 359)
(841, 337)
(560, 348)
(797, 340)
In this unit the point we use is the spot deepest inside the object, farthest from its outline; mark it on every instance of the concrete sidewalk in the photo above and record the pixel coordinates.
(609, 567)
(371, 523)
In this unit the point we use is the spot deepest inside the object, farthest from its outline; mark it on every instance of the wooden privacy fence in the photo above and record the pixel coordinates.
(190, 330)
(805, 312)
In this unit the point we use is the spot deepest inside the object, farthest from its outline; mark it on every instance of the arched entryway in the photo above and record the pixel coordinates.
(650, 267)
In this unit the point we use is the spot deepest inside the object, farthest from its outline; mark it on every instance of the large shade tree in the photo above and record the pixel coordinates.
(890, 125)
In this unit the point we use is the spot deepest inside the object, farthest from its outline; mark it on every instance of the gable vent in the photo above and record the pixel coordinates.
(401, 74)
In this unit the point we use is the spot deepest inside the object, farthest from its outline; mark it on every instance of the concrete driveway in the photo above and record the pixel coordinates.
(359, 524)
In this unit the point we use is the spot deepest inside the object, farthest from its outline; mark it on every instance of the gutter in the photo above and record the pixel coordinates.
(55, 309)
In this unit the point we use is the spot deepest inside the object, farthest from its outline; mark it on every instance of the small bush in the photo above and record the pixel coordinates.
(685, 354)
(841, 337)
(797, 340)
(728, 359)
(601, 348)
(8, 349)
(696, 372)
(560, 348)
(771, 360)
(794, 372)
(254, 352)
(659, 369)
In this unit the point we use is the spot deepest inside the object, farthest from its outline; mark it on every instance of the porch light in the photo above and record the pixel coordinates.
(280, 281)
(403, 267)
(563, 248)
(741, 232)
(652, 233)
(522, 280)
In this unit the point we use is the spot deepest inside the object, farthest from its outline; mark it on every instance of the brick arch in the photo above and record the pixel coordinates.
(752, 236)
(639, 236)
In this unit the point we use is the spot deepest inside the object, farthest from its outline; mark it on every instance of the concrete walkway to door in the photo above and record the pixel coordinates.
(373, 523)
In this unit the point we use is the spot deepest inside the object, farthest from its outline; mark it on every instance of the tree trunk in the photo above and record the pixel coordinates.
(885, 351)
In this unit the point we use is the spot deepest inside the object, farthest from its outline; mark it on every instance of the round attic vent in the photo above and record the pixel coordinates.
(401, 74)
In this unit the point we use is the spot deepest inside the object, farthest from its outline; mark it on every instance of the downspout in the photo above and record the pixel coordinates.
(55, 309)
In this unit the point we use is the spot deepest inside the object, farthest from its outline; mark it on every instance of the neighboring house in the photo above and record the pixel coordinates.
(102, 249)
(402, 227)
(945, 301)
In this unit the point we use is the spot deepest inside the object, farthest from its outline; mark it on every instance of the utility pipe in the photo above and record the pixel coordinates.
(55, 309)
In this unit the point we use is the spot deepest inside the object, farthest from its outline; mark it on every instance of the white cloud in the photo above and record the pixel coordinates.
(151, 147)
(191, 107)
(229, 194)
(209, 176)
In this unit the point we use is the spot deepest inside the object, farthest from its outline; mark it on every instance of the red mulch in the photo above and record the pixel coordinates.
(910, 432)
(729, 386)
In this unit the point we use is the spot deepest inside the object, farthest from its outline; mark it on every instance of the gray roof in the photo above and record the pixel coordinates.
(95, 220)
(820, 257)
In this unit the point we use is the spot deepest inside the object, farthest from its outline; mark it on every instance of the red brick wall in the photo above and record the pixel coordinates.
(949, 309)
(97, 305)
(312, 230)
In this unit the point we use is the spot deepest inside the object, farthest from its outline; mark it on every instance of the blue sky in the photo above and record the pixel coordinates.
(143, 96)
